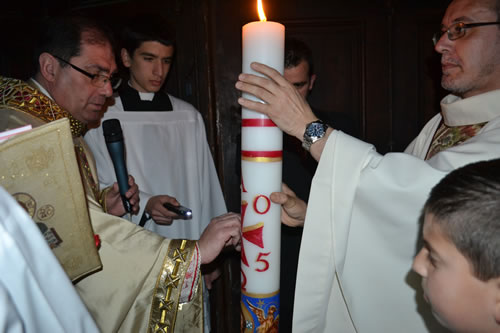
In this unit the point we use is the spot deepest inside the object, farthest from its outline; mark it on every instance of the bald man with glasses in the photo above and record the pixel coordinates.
(361, 227)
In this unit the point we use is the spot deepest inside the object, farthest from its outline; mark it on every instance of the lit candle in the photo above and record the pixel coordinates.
(261, 164)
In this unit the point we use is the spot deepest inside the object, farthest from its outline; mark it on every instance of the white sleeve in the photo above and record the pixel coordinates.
(361, 228)
(10, 320)
(34, 289)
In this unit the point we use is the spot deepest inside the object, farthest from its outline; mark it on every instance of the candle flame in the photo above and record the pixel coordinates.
(260, 9)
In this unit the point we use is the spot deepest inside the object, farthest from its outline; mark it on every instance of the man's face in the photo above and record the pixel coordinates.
(459, 300)
(471, 64)
(74, 91)
(149, 65)
(299, 77)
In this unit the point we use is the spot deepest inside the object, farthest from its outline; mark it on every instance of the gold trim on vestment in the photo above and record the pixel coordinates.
(168, 287)
(102, 198)
(20, 96)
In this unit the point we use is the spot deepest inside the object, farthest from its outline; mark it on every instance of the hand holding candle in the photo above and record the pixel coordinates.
(283, 103)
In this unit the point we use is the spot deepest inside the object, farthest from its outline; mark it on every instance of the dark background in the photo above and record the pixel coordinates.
(374, 60)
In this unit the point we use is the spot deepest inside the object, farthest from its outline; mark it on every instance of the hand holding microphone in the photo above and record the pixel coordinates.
(114, 142)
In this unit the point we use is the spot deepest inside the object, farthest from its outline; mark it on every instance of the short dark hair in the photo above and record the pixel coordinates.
(295, 52)
(63, 36)
(466, 206)
(147, 29)
(497, 9)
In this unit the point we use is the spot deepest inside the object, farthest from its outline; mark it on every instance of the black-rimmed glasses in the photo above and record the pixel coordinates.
(457, 30)
(97, 80)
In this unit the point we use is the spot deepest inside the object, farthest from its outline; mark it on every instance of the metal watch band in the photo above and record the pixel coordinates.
(314, 131)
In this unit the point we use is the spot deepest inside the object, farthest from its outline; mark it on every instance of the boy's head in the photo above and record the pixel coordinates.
(148, 50)
(460, 260)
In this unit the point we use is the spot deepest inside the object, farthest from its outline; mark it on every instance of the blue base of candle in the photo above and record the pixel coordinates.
(253, 306)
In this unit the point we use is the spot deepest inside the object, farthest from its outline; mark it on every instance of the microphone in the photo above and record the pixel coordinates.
(114, 142)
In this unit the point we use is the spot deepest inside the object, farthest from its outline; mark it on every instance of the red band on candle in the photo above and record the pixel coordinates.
(262, 156)
(257, 122)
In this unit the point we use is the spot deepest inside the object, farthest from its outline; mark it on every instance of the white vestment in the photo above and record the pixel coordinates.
(361, 228)
(35, 293)
(167, 153)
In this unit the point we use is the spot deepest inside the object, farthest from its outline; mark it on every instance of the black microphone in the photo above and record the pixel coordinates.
(114, 142)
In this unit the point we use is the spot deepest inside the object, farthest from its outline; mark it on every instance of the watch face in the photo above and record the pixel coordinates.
(315, 130)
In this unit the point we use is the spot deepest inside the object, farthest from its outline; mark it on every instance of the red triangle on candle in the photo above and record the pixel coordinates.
(253, 234)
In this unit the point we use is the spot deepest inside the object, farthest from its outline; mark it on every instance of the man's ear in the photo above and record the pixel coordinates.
(126, 59)
(311, 81)
(48, 66)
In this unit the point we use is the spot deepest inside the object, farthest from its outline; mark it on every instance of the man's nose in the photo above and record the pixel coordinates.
(107, 89)
(158, 68)
(443, 44)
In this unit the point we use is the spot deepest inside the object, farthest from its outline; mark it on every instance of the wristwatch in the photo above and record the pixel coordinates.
(314, 131)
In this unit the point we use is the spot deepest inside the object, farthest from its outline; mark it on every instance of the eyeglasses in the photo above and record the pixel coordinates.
(457, 30)
(97, 80)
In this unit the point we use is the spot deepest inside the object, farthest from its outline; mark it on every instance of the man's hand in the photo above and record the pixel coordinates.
(284, 104)
(114, 202)
(224, 230)
(158, 212)
(293, 209)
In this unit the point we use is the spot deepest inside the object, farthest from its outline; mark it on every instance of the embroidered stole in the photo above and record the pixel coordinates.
(450, 136)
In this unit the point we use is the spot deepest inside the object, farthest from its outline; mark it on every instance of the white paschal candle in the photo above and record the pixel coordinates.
(261, 165)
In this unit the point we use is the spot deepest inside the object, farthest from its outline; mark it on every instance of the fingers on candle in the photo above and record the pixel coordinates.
(251, 105)
(290, 221)
(278, 198)
(269, 72)
(286, 196)
(291, 201)
(233, 229)
(222, 231)
(252, 83)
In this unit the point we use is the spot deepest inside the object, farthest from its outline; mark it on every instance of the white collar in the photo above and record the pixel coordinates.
(144, 96)
(472, 110)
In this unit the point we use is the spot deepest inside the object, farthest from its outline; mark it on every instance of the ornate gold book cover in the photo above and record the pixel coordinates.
(39, 169)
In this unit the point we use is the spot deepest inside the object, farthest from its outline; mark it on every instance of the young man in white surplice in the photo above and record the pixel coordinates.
(165, 142)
